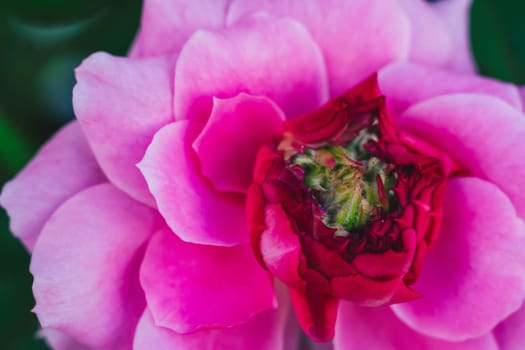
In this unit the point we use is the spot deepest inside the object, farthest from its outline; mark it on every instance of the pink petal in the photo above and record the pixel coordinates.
(377, 328)
(228, 144)
(85, 266)
(510, 333)
(456, 14)
(484, 134)
(356, 37)
(405, 84)
(58, 340)
(121, 103)
(431, 42)
(166, 25)
(263, 332)
(275, 58)
(62, 168)
(190, 287)
(474, 277)
(193, 209)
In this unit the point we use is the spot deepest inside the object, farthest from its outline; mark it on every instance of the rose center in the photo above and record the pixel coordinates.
(350, 186)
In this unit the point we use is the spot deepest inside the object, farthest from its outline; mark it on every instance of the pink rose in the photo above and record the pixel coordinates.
(136, 215)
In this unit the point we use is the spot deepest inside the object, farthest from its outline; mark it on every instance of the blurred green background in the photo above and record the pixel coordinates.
(43, 40)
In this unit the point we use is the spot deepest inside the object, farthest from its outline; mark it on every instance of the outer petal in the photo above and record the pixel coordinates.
(58, 340)
(474, 276)
(120, 104)
(484, 134)
(379, 329)
(166, 25)
(456, 15)
(356, 37)
(228, 144)
(190, 287)
(431, 42)
(511, 332)
(192, 208)
(85, 266)
(405, 84)
(275, 58)
(62, 168)
(264, 331)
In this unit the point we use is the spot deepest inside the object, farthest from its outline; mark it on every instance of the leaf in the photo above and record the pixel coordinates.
(498, 38)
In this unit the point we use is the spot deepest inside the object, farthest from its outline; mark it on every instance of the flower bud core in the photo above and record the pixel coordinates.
(350, 186)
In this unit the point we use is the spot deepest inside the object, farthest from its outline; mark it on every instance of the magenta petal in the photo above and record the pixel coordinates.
(86, 267)
(190, 286)
(193, 209)
(276, 58)
(426, 82)
(474, 277)
(62, 168)
(166, 25)
(356, 37)
(228, 144)
(120, 103)
(481, 132)
(510, 333)
(263, 332)
(377, 328)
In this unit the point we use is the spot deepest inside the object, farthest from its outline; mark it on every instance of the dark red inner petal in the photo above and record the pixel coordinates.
(374, 264)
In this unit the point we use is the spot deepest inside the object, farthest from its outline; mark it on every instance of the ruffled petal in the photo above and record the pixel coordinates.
(229, 142)
(120, 103)
(481, 132)
(379, 329)
(356, 37)
(405, 84)
(276, 58)
(86, 267)
(190, 287)
(264, 331)
(474, 276)
(510, 333)
(166, 25)
(62, 168)
(193, 209)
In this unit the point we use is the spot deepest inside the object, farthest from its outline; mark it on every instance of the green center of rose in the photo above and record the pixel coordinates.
(351, 186)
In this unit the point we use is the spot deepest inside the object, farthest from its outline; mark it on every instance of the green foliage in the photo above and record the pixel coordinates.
(498, 38)
(42, 42)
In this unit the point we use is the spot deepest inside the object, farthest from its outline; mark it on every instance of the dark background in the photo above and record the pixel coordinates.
(41, 41)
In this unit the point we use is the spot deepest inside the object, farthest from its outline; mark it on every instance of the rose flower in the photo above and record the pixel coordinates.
(386, 214)
(345, 206)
